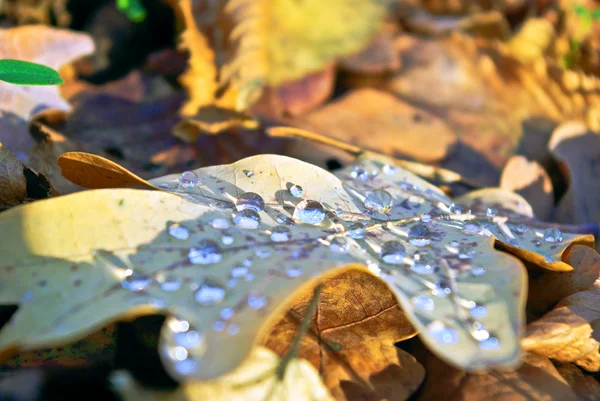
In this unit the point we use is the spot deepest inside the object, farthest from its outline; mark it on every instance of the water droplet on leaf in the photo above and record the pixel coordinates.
(247, 219)
(418, 235)
(442, 333)
(209, 294)
(188, 179)
(297, 191)
(309, 212)
(281, 234)
(392, 252)
(553, 235)
(250, 200)
(205, 253)
(380, 201)
(178, 231)
(471, 228)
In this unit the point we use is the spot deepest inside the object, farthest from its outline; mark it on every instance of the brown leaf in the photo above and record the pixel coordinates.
(547, 288)
(569, 333)
(578, 150)
(585, 386)
(379, 122)
(536, 380)
(531, 181)
(92, 171)
(380, 55)
(351, 340)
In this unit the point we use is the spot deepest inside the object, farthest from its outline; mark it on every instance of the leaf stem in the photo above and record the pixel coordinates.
(304, 325)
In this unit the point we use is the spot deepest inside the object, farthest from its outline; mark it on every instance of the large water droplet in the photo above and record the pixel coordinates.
(178, 231)
(423, 264)
(478, 311)
(442, 333)
(490, 343)
(522, 228)
(247, 219)
(423, 302)
(250, 200)
(257, 302)
(460, 208)
(471, 228)
(553, 235)
(205, 253)
(392, 252)
(379, 200)
(136, 282)
(188, 179)
(418, 235)
(297, 191)
(339, 245)
(209, 294)
(281, 234)
(219, 223)
(309, 212)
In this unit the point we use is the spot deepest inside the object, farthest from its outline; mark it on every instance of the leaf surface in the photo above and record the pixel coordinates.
(225, 260)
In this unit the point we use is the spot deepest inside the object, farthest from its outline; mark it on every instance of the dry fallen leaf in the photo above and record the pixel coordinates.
(567, 332)
(585, 386)
(43, 45)
(578, 149)
(380, 122)
(536, 380)
(531, 181)
(257, 379)
(351, 339)
(224, 281)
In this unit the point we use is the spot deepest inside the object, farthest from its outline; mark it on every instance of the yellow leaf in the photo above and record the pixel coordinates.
(255, 380)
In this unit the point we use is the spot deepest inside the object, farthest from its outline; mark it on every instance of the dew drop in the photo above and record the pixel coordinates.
(247, 219)
(257, 302)
(339, 211)
(281, 234)
(356, 231)
(296, 190)
(227, 239)
(309, 212)
(380, 201)
(479, 332)
(491, 212)
(250, 200)
(263, 252)
(239, 271)
(522, 228)
(219, 223)
(227, 313)
(205, 253)
(359, 173)
(392, 252)
(490, 343)
(471, 228)
(293, 272)
(466, 252)
(426, 218)
(339, 245)
(460, 208)
(478, 311)
(553, 235)
(178, 231)
(209, 294)
(441, 290)
(478, 271)
(188, 179)
(418, 235)
(423, 264)
(442, 333)
(423, 302)
(169, 282)
(136, 282)
(248, 173)
(388, 169)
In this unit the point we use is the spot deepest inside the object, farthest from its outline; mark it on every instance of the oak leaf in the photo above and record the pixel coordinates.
(224, 259)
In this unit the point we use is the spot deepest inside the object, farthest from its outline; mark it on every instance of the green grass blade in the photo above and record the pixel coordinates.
(26, 73)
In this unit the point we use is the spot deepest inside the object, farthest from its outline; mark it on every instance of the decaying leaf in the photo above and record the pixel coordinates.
(568, 332)
(578, 149)
(585, 386)
(257, 379)
(531, 181)
(380, 122)
(274, 46)
(351, 339)
(91, 171)
(537, 379)
(43, 45)
(225, 260)
(18, 183)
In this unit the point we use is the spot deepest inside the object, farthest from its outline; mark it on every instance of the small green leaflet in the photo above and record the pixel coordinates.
(26, 73)
(133, 9)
